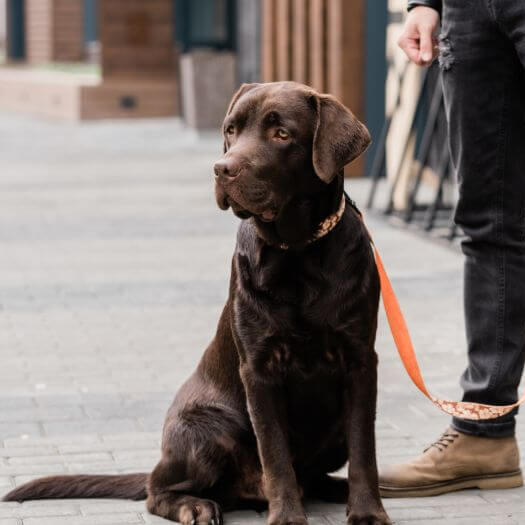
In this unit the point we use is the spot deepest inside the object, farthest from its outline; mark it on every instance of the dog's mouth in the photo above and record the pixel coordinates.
(238, 210)
(267, 215)
(225, 201)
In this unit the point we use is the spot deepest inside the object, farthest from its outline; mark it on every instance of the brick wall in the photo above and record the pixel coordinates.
(54, 31)
(68, 30)
(38, 31)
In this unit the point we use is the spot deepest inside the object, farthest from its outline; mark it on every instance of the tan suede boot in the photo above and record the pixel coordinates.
(456, 461)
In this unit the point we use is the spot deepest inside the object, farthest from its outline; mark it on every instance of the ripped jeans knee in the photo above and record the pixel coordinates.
(446, 57)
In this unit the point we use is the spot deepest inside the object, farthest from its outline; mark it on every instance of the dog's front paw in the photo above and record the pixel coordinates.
(367, 516)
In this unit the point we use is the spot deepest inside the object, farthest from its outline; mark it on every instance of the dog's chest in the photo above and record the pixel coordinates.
(296, 315)
(305, 289)
(301, 356)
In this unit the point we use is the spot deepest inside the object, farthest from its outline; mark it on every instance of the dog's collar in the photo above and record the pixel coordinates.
(324, 227)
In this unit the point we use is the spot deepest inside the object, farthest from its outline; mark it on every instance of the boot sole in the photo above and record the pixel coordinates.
(507, 480)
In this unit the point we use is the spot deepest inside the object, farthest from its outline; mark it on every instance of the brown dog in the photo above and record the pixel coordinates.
(286, 391)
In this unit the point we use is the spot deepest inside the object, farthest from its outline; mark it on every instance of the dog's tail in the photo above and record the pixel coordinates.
(125, 486)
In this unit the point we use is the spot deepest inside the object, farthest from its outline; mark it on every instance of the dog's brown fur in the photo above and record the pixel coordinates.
(286, 391)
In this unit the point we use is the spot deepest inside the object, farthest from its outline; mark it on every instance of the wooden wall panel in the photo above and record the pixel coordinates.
(68, 30)
(283, 40)
(345, 45)
(345, 59)
(269, 31)
(319, 43)
(300, 41)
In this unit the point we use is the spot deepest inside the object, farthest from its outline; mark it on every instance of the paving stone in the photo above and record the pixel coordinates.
(9, 403)
(108, 507)
(88, 425)
(155, 520)
(28, 511)
(109, 446)
(455, 499)
(488, 520)
(100, 519)
(38, 414)
(5, 481)
(12, 470)
(419, 513)
(15, 430)
(30, 441)
(27, 451)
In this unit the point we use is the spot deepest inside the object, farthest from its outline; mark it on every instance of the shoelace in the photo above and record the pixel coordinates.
(444, 441)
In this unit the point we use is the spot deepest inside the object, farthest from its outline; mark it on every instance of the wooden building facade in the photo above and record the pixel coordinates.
(336, 46)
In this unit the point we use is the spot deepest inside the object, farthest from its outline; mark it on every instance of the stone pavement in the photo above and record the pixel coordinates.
(114, 266)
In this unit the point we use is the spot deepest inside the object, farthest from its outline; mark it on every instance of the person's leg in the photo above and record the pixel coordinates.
(511, 17)
(484, 86)
(484, 92)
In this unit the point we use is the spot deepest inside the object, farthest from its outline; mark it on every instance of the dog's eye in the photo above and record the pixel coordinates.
(230, 130)
(282, 134)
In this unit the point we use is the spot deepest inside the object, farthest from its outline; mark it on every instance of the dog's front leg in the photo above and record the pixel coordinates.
(364, 503)
(268, 415)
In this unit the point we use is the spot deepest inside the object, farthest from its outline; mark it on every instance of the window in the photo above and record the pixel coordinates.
(205, 23)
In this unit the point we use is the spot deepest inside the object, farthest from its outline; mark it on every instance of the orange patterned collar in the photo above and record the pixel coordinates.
(325, 227)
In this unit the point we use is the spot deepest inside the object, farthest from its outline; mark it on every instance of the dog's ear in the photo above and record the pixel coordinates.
(339, 137)
(240, 92)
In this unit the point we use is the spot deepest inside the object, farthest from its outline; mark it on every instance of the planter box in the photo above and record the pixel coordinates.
(208, 81)
(74, 96)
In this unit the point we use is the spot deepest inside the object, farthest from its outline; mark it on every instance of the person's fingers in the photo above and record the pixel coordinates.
(426, 44)
(411, 48)
(409, 43)
(419, 34)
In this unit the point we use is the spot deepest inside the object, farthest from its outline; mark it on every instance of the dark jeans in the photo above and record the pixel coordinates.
(483, 64)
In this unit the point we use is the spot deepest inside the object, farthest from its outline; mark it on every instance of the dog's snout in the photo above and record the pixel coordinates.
(226, 168)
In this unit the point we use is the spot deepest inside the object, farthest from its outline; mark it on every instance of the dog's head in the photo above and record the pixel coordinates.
(281, 140)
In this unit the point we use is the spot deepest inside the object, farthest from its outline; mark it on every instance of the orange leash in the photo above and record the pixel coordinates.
(398, 327)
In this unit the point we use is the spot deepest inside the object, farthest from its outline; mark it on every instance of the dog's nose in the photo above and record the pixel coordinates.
(226, 168)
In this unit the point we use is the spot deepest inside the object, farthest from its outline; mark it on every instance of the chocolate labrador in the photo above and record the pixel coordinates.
(286, 392)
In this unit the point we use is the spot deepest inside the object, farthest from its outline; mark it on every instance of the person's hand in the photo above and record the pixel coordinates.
(419, 38)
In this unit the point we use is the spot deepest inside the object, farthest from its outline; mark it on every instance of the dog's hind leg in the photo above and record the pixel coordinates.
(199, 470)
(184, 501)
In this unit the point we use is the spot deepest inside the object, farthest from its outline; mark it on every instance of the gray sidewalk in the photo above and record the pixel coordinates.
(114, 264)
